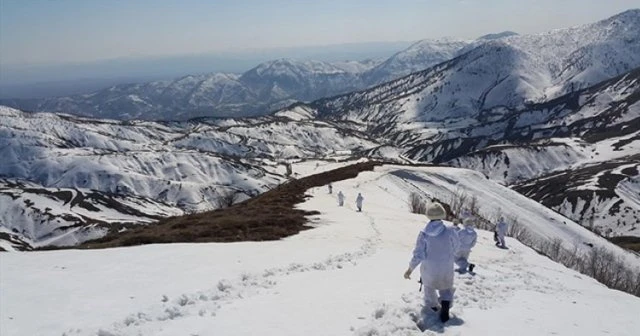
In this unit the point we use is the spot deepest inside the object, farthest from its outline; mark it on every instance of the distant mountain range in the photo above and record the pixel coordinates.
(267, 87)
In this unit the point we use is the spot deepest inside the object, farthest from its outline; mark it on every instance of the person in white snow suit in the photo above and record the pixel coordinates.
(465, 215)
(501, 231)
(340, 198)
(467, 238)
(434, 252)
(330, 188)
(359, 200)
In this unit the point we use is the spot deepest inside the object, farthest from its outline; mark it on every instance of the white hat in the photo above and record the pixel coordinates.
(435, 211)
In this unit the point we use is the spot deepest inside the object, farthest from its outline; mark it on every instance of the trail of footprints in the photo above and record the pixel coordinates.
(505, 275)
(207, 303)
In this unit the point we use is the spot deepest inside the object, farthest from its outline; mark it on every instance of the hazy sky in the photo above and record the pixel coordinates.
(67, 31)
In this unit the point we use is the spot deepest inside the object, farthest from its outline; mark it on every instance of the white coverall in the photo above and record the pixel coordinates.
(434, 251)
(359, 200)
(501, 229)
(467, 240)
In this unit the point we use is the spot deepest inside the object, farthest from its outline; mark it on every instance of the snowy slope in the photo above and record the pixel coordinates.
(344, 277)
(592, 135)
(63, 216)
(419, 56)
(494, 201)
(599, 196)
(174, 161)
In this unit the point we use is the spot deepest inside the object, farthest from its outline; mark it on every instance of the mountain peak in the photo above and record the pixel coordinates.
(496, 36)
(288, 64)
(628, 14)
(624, 22)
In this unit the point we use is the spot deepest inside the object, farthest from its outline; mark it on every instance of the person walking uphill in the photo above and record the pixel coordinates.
(340, 198)
(434, 252)
(467, 238)
(359, 200)
(501, 231)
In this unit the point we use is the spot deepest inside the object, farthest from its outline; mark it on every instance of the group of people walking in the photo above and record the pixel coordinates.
(341, 198)
(440, 248)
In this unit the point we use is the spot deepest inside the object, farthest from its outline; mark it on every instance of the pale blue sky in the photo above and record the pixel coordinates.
(69, 31)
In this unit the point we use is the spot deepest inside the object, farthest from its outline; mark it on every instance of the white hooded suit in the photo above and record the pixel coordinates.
(434, 252)
(359, 200)
(467, 238)
(501, 229)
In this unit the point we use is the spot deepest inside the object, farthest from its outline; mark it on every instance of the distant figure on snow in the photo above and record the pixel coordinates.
(467, 238)
(289, 169)
(330, 188)
(434, 252)
(501, 231)
(466, 214)
(359, 200)
(340, 198)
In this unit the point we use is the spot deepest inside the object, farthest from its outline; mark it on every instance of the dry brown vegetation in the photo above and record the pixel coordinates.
(628, 242)
(269, 216)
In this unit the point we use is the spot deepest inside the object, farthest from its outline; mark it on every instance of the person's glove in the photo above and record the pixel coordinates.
(407, 274)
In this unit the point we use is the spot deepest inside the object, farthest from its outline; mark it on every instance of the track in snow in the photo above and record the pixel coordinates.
(207, 303)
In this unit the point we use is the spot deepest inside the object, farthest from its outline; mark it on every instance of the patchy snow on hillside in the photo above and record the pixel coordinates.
(629, 189)
(68, 216)
(508, 164)
(138, 172)
(343, 277)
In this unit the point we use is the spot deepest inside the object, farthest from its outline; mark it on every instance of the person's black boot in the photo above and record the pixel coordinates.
(444, 311)
(471, 267)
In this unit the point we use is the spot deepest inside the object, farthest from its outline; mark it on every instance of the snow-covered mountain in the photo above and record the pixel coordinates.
(422, 55)
(496, 36)
(266, 87)
(419, 56)
(499, 76)
(286, 79)
(577, 154)
(175, 167)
